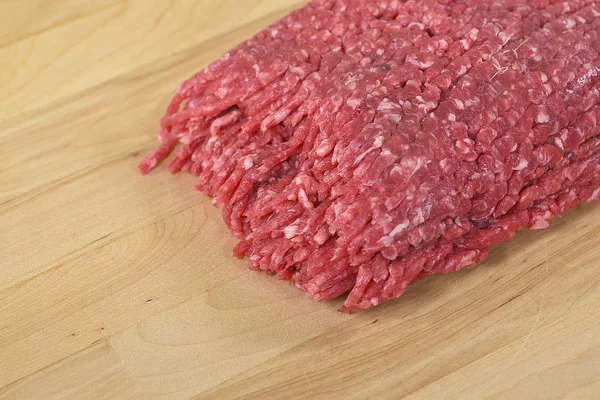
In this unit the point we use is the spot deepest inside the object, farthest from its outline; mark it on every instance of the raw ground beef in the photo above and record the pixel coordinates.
(359, 145)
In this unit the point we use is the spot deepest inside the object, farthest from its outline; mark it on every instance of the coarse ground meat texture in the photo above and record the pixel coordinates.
(359, 146)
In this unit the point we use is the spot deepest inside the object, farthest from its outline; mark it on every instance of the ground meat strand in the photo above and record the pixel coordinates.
(359, 146)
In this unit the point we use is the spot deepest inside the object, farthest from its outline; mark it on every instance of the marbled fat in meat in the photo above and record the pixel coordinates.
(359, 146)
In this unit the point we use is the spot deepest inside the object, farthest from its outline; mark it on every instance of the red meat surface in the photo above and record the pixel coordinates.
(359, 146)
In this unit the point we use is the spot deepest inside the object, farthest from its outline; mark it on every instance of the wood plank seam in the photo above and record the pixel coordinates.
(98, 342)
(497, 350)
(157, 67)
(99, 247)
(505, 346)
(53, 364)
(26, 84)
(304, 342)
(125, 365)
(133, 74)
(59, 24)
(65, 180)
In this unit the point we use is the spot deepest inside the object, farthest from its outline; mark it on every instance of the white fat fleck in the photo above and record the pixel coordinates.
(321, 237)
(395, 117)
(221, 93)
(541, 221)
(263, 77)
(543, 117)
(409, 166)
(297, 70)
(371, 87)
(274, 33)
(376, 145)
(444, 163)
(559, 142)
(385, 220)
(585, 78)
(570, 23)
(324, 148)
(596, 194)
(522, 165)
(417, 24)
(467, 259)
(425, 64)
(538, 58)
(374, 201)
(380, 52)
(391, 109)
(459, 104)
(544, 78)
(473, 34)
(304, 200)
(514, 148)
(248, 163)
(419, 218)
(353, 103)
(400, 228)
(451, 117)
(386, 241)
(290, 231)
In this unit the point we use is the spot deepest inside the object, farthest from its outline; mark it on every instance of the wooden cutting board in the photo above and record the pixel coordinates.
(114, 285)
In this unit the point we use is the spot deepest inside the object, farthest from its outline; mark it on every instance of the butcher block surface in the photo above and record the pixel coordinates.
(118, 286)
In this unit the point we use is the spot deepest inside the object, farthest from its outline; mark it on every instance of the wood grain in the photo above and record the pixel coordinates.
(93, 42)
(97, 372)
(117, 286)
